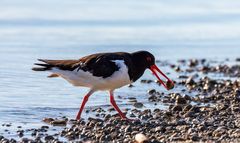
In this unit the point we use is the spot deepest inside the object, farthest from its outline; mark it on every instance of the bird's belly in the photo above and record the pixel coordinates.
(114, 81)
(86, 79)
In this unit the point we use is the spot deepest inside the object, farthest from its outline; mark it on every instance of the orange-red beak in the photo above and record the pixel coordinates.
(169, 84)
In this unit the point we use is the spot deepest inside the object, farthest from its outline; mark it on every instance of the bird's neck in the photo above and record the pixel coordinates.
(138, 69)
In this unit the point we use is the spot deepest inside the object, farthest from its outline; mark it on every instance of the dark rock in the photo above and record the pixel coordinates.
(176, 108)
(130, 86)
(195, 137)
(193, 62)
(13, 141)
(190, 81)
(49, 138)
(48, 120)
(20, 133)
(152, 91)
(180, 100)
(138, 105)
(59, 123)
(146, 81)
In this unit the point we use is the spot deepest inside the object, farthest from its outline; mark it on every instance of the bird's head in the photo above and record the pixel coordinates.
(147, 61)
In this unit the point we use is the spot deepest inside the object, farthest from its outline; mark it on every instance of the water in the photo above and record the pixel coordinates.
(70, 29)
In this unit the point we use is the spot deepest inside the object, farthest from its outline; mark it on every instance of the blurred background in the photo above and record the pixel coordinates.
(67, 29)
(127, 25)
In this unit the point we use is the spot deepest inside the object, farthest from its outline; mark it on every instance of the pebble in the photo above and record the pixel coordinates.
(138, 104)
(181, 100)
(48, 120)
(176, 108)
(190, 81)
(146, 81)
(59, 123)
(152, 91)
(141, 138)
(49, 138)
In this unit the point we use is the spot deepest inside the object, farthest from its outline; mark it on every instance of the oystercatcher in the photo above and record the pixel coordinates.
(104, 71)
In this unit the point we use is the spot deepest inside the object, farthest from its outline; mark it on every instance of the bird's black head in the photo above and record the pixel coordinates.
(144, 60)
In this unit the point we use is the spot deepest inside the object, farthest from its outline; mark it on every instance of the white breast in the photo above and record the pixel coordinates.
(86, 79)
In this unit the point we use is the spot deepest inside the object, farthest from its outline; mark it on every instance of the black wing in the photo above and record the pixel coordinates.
(101, 65)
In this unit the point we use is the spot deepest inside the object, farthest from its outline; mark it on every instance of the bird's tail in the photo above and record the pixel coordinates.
(43, 66)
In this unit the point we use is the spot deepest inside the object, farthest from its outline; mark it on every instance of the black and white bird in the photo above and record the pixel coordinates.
(104, 71)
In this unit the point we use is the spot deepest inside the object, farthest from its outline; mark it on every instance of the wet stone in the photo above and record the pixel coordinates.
(153, 98)
(187, 107)
(190, 81)
(181, 100)
(146, 81)
(13, 141)
(152, 91)
(194, 137)
(20, 133)
(25, 140)
(59, 123)
(193, 62)
(48, 120)
(138, 105)
(170, 85)
(140, 138)
(177, 69)
(8, 125)
(49, 138)
(176, 108)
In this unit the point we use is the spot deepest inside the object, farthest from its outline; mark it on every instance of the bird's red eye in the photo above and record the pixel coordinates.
(149, 59)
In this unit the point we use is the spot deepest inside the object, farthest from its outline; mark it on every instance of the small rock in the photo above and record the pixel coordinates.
(130, 85)
(170, 85)
(138, 105)
(13, 141)
(153, 98)
(20, 133)
(180, 100)
(177, 69)
(194, 137)
(59, 123)
(141, 138)
(193, 62)
(48, 120)
(146, 81)
(151, 91)
(25, 140)
(176, 108)
(49, 138)
(190, 81)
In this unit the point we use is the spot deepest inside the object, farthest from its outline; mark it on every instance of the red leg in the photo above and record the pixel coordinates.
(85, 99)
(115, 105)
